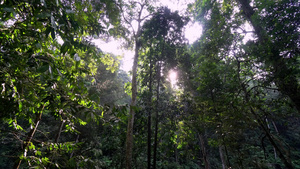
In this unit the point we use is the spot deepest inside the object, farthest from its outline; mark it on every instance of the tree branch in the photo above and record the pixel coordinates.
(30, 136)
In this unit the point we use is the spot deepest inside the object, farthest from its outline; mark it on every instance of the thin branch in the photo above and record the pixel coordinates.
(30, 136)
(270, 88)
(146, 17)
(129, 23)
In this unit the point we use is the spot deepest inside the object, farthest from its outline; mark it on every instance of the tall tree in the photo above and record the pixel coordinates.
(134, 13)
(279, 58)
(275, 25)
(215, 54)
(162, 35)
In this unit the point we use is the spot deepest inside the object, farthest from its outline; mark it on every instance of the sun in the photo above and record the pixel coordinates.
(173, 78)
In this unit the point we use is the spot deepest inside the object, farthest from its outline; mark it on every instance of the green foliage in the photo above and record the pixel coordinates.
(42, 76)
(63, 101)
(233, 84)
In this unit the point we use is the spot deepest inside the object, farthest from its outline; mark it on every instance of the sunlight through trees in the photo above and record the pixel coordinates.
(198, 84)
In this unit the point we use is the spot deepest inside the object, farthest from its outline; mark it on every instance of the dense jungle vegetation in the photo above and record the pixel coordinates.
(67, 104)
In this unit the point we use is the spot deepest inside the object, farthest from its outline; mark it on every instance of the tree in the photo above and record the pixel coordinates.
(63, 104)
(284, 75)
(162, 40)
(134, 12)
(252, 72)
(41, 77)
(278, 62)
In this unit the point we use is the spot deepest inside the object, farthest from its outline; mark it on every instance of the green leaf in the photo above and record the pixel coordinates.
(20, 106)
(64, 48)
(43, 68)
(31, 146)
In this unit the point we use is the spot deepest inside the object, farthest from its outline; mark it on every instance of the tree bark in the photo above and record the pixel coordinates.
(224, 166)
(204, 151)
(149, 115)
(284, 80)
(137, 34)
(156, 115)
(129, 136)
(59, 130)
(176, 153)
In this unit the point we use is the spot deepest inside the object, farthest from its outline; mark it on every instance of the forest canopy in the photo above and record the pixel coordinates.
(65, 103)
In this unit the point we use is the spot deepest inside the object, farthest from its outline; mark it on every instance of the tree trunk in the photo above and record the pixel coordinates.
(287, 83)
(149, 116)
(129, 136)
(176, 153)
(267, 122)
(156, 115)
(59, 131)
(260, 122)
(56, 139)
(288, 153)
(224, 166)
(204, 151)
(287, 164)
(77, 138)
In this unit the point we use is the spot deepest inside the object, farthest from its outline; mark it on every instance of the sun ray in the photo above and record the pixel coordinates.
(173, 78)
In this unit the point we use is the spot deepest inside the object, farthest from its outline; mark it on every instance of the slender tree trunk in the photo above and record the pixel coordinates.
(267, 122)
(57, 138)
(59, 131)
(224, 166)
(29, 137)
(149, 115)
(129, 136)
(275, 127)
(220, 147)
(176, 153)
(77, 138)
(204, 151)
(288, 153)
(227, 156)
(156, 115)
(287, 83)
